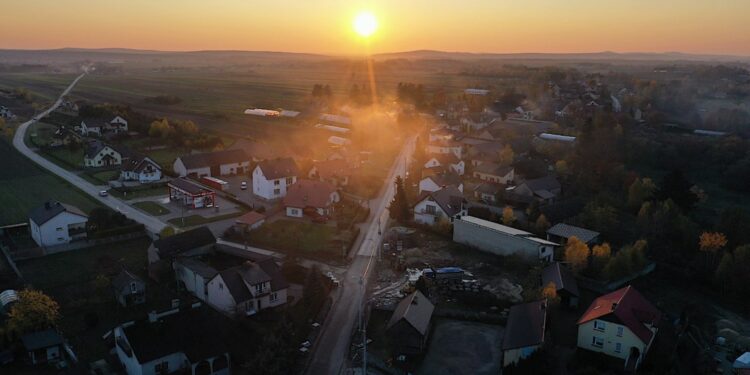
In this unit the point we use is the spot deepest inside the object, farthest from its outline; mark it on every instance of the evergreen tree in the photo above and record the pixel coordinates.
(399, 209)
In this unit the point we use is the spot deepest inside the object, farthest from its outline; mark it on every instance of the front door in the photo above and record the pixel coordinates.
(259, 305)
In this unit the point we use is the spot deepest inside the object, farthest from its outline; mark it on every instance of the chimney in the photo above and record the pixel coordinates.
(153, 317)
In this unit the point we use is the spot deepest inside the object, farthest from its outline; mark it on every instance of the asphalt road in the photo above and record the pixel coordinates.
(331, 349)
(152, 224)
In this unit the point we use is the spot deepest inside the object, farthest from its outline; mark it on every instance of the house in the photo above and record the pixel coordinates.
(247, 289)
(212, 164)
(442, 134)
(55, 223)
(129, 289)
(564, 281)
(249, 221)
(491, 172)
(190, 193)
(499, 239)
(562, 232)
(336, 172)
(441, 206)
(445, 147)
(172, 342)
(741, 365)
(544, 190)
(524, 331)
(436, 182)
(43, 346)
(309, 196)
(488, 192)
(409, 326)
(91, 126)
(621, 324)
(98, 154)
(140, 168)
(448, 161)
(193, 242)
(117, 125)
(271, 178)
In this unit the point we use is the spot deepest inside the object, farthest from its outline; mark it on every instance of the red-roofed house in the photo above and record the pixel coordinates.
(620, 324)
(251, 220)
(336, 172)
(310, 196)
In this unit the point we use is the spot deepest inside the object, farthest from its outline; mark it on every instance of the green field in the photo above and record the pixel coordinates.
(195, 220)
(153, 209)
(294, 235)
(24, 186)
(46, 86)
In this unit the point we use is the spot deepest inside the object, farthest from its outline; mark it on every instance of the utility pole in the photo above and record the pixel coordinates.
(363, 327)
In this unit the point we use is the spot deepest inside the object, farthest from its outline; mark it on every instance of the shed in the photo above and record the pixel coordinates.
(409, 326)
(43, 346)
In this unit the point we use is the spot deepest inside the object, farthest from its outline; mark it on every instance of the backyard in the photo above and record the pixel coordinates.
(152, 208)
(290, 235)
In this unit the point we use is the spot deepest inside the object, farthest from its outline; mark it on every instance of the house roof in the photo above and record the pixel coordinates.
(526, 325)
(250, 218)
(561, 277)
(187, 186)
(493, 169)
(208, 159)
(50, 209)
(542, 184)
(309, 193)
(184, 241)
(197, 266)
(416, 309)
(94, 122)
(510, 231)
(449, 198)
(124, 278)
(278, 168)
(41, 339)
(333, 168)
(250, 273)
(138, 164)
(256, 150)
(446, 179)
(566, 231)
(628, 307)
(488, 188)
(444, 159)
(182, 332)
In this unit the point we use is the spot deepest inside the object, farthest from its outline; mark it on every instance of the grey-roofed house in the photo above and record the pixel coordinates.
(212, 164)
(173, 342)
(562, 232)
(409, 326)
(162, 252)
(140, 168)
(43, 346)
(544, 189)
(441, 206)
(55, 223)
(436, 182)
(98, 154)
(491, 172)
(246, 289)
(488, 192)
(564, 281)
(524, 331)
(129, 289)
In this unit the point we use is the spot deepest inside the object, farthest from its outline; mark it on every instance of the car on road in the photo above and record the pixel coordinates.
(243, 185)
(103, 193)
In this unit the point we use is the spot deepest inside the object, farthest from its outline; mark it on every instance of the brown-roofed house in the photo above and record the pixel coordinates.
(312, 197)
(525, 331)
(212, 164)
(251, 220)
(409, 326)
(441, 206)
(336, 172)
(620, 324)
(272, 178)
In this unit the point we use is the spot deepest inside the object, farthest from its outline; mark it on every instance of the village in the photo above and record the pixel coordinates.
(462, 241)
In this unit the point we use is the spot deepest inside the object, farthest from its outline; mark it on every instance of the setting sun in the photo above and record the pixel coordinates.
(365, 24)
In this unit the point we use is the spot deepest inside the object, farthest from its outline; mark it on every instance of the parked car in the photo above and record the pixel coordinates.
(243, 185)
(103, 193)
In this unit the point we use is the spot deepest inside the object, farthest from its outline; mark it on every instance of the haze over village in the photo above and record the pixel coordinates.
(385, 188)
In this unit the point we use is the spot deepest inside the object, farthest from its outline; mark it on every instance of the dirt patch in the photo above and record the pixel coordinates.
(463, 348)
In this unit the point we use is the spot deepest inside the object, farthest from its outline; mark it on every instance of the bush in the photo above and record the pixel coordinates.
(117, 231)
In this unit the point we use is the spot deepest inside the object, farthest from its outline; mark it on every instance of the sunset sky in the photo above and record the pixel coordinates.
(324, 26)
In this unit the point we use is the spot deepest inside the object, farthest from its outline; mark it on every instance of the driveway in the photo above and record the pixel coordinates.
(152, 224)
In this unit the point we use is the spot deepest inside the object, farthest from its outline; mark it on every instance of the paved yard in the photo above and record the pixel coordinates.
(458, 347)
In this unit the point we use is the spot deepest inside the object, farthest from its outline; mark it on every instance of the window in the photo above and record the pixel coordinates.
(430, 209)
(599, 325)
(276, 191)
(59, 229)
(618, 348)
(274, 297)
(258, 288)
(597, 342)
(162, 368)
(276, 182)
(133, 288)
(221, 286)
(620, 331)
(295, 211)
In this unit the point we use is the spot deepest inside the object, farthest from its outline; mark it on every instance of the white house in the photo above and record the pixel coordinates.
(445, 147)
(620, 324)
(142, 169)
(247, 289)
(91, 126)
(495, 173)
(439, 181)
(441, 206)
(56, 223)
(117, 125)
(524, 331)
(271, 178)
(213, 164)
(500, 239)
(312, 196)
(98, 154)
(171, 342)
(448, 161)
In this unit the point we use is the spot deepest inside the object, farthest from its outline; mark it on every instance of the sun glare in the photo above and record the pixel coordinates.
(365, 24)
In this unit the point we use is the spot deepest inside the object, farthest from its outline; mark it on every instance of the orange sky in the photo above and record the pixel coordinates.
(324, 26)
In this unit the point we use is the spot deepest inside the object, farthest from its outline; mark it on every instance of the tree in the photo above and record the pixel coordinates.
(509, 217)
(166, 232)
(34, 310)
(561, 167)
(507, 155)
(677, 188)
(550, 293)
(399, 208)
(159, 129)
(710, 243)
(628, 260)
(576, 254)
(601, 255)
(541, 224)
(640, 191)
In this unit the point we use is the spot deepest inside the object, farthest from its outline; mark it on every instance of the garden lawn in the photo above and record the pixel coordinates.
(195, 220)
(153, 209)
(294, 236)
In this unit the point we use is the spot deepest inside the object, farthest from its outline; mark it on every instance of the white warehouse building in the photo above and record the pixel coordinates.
(500, 239)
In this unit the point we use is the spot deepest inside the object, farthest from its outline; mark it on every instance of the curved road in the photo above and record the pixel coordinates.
(332, 346)
(152, 224)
